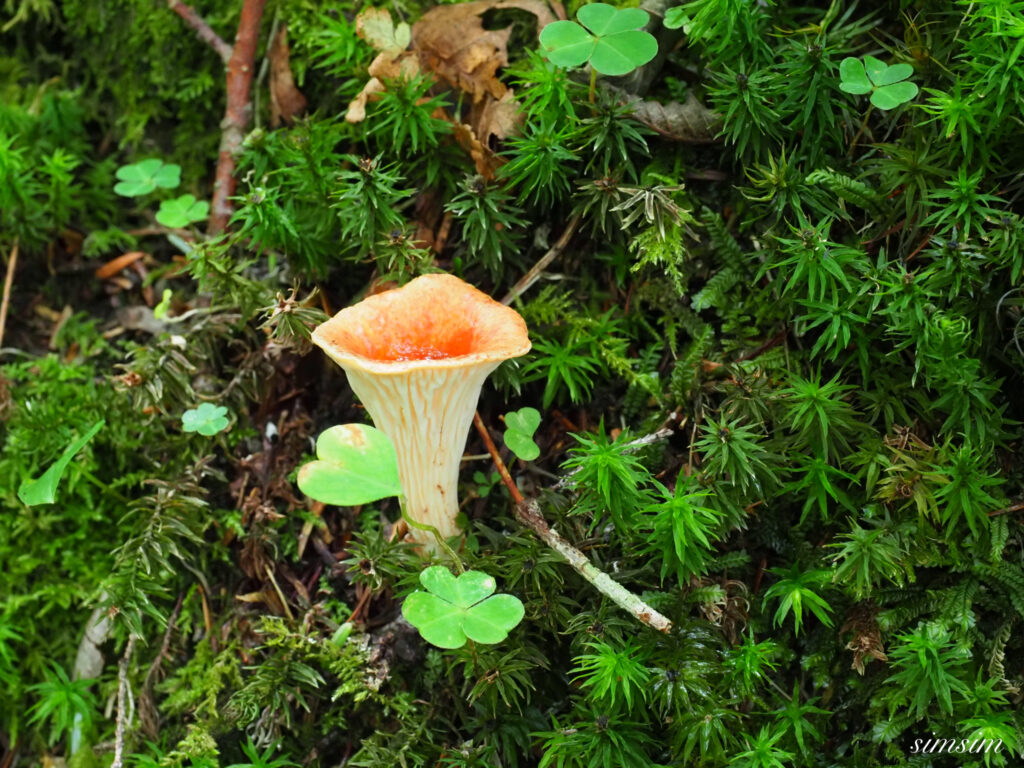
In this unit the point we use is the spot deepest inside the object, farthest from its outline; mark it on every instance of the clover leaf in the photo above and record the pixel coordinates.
(208, 419)
(182, 211)
(355, 464)
(521, 425)
(886, 83)
(453, 610)
(614, 45)
(43, 490)
(143, 177)
(485, 484)
(676, 18)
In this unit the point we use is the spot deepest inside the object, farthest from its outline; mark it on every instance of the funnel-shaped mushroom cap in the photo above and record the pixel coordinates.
(434, 321)
(417, 357)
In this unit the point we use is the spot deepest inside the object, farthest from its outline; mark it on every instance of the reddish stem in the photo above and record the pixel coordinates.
(496, 457)
(237, 113)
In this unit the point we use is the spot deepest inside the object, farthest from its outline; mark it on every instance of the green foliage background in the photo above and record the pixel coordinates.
(827, 299)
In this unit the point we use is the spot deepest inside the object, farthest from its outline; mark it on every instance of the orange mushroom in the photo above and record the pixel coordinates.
(417, 358)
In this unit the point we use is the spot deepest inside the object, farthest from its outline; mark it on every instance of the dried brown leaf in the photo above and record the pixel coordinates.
(867, 636)
(386, 66)
(485, 161)
(496, 118)
(286, 101)
(451, 42)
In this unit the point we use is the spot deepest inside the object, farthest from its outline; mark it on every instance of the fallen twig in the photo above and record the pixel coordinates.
(202, 29)
(124, 696)
(236, 114)
(280, 594)
(533, 275)
(1007, 510)
(528, 513)
(12, 264)
(775, 340)
(8, 759)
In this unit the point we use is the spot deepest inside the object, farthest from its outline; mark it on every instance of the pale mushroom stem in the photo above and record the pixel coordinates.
(427, 414)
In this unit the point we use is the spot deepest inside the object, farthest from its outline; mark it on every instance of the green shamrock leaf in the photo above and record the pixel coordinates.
(43, 490)
(355, 464)
(454, 609)
(145, 176)
(182, 211)
(676, 18)
(208, 419)
(521, 425)
(886, 83)
(485, 484)
(614, 45)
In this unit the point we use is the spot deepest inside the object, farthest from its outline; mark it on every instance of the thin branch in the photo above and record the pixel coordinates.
(496, 458)
(777, 339)
(533, 275)
(125, 704)
(528, 513)
(633, 445)
(1006, 510)
(237, 113)
(202, 29)
(12, 264)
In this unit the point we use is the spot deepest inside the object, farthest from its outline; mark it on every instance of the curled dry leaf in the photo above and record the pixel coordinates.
(388, 65)
(496, 119)
(486, 162)
(689, 121)
(489, 120)
(451, 41)
(286, 101)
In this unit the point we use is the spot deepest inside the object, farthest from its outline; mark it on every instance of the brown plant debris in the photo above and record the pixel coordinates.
(451, 43)
(867, 637)
(286, 101)
(374, 25)
(689, 122)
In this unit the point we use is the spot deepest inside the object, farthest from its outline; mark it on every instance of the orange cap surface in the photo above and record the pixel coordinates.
(435, 321)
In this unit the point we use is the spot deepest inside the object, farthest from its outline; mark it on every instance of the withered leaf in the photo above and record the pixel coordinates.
(386, 66)
(689, 121)
(486, 162)
(451, 41)
(286, 101)
(496, 118)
